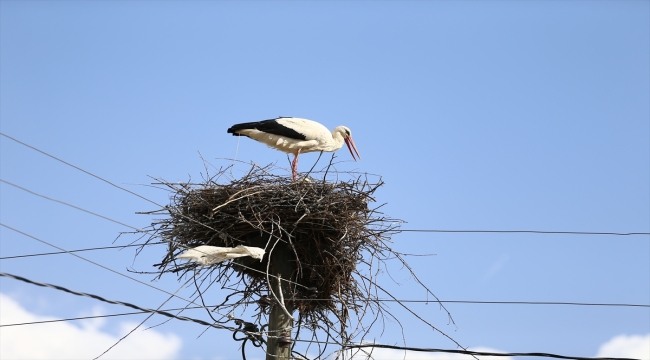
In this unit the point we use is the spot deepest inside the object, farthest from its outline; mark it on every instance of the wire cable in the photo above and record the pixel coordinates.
(526, 303)
(141, 309)
(70, 205)
(498, 302)
(382, 300)
(80, 250)
(97, 297)
(356, 346)
(105, 267)
(80, 169)
(524, 232)
(479, 353)
(94, 317)
(397, 231)
(379, 300)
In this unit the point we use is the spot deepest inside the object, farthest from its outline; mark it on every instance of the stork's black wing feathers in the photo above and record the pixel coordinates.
(271, 126)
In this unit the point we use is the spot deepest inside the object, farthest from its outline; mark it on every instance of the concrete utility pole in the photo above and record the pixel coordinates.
(283, 268)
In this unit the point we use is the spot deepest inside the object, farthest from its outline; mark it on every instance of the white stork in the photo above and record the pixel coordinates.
(295, 136)
(208, 255)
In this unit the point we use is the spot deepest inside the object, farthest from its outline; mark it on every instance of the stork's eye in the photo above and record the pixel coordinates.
(347, 132)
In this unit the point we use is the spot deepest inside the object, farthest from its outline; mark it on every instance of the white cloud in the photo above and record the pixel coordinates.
(392, 354)
(627, 346)
(78, 340)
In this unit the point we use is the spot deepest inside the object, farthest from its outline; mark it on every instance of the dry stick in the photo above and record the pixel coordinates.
(418, 316)
(268, 264)
(187, 306)
(427, 289)
(282, 296)
(239, 198)
(313, 166)
(328, 168)
(293, 247)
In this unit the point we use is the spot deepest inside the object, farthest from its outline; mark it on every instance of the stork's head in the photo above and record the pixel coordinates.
(254, 252)
(346, 133)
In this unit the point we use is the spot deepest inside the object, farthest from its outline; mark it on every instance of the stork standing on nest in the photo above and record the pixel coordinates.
(295, 136)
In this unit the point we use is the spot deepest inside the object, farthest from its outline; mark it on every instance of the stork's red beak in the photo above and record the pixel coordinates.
(350, 143)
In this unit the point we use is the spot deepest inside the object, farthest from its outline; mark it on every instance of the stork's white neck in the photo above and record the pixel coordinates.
(338, 138)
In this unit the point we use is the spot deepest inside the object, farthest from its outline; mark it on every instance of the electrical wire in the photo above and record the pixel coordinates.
(378, 300)
(480, 353)
(95, 317)
(80, 169)
(524, 232)
(133, 306)
(104, 267)
(124, 275)
(97, 297)
(404, 230)
(70, 205)
(345, 347)
(80, 250)
(396, 231)
(499, 302)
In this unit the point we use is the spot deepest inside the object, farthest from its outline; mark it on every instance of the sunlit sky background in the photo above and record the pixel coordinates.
(494, 115)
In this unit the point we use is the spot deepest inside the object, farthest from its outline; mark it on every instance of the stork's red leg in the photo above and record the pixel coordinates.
(294, 165)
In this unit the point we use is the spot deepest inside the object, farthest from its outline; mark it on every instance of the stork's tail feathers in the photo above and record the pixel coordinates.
(243, 126)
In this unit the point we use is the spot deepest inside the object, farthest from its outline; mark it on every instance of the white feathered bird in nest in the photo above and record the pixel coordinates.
(296, 136)
(208, 255)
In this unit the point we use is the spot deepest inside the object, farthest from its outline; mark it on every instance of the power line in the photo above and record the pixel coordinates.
(96, 317)
(381, 300)
(102, 266)
(397, 231)
(500, 302)
(480, 353)
(80, 250)
(405, 230)
(70, 205)
(80, 169)
(116, 302)
(80, 318)
(524, 232)
(357, 346)
(97, 297)
(97, 177)
(525, 303)
(124, 275)
(378, 300)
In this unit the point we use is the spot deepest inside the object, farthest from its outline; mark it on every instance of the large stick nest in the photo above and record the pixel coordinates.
(328, 233)
(324, 228)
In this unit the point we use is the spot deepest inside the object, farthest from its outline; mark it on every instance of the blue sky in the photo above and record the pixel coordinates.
(477, 115)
